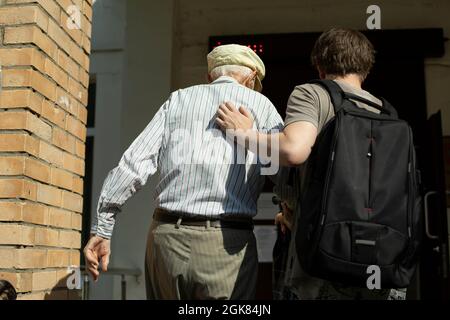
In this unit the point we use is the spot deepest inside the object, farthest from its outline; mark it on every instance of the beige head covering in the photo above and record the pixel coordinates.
(234, 54)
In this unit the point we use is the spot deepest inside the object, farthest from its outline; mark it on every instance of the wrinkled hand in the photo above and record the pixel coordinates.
(284, 218)
(97, 250)
(230, 118)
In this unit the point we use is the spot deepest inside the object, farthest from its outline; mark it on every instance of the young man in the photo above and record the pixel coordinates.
(201, 243)
(345, 56)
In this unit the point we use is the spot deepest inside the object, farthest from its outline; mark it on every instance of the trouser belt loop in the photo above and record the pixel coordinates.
(208, 224)
(178, 222)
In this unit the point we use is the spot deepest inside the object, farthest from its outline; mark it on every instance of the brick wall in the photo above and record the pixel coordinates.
(45, 62)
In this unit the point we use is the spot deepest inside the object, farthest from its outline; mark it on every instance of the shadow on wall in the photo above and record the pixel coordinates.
(61, 291)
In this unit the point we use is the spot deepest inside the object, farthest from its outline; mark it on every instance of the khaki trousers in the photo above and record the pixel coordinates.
(200, 262)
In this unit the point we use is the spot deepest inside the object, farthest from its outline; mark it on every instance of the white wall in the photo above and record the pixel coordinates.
(131, 60)
(146, 87)
(106, 66)
(196, 20)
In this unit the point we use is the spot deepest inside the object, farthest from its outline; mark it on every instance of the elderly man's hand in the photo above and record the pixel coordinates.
(97, 250)
(230, 118)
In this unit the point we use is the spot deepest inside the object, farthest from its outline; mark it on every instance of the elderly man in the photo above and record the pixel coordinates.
(201, 243)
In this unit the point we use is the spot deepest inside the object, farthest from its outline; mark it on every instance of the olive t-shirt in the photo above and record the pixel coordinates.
(312, 103)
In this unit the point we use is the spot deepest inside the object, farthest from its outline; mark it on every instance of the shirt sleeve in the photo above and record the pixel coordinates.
(137, 164)
(273, 123)
(303, 105)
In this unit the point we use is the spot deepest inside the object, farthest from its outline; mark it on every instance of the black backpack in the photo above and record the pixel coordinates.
(360, 203)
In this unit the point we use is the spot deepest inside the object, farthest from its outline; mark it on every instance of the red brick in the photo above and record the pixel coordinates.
(63, 140)
(51, 154)
(44, 280)
(76, 221)
(21, 98)
(69, 239)
(25, 120)
(12, 15)
(17, 188)
(80, 149)
(72, 201)
(60, 218)
(11, 166)
(62, 178)
(35, 213)
(31, 258)
(76, 127)
(68, 64)
(75, 258)
(31, 34)
(7, 257)
(10, 211)
(73, 164)
(16, 234)
(48, 195)
(58, 258)
(30, 78)
(54, 114)
(22, 57)
(37, 170)
(77, 185)
(46, 237)
(49, 6)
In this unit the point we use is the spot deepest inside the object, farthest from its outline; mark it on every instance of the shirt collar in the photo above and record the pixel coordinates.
(225, 79)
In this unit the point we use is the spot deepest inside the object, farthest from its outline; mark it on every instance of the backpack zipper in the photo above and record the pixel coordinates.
(370, 156)
(329, 168)
(411, 183)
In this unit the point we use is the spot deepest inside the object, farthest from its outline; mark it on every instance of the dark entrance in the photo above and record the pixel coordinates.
(398, 76)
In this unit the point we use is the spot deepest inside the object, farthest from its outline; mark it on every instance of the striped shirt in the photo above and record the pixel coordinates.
(199, 170)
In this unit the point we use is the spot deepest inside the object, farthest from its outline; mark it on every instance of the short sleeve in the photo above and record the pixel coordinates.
(302, 106)
(311, 103)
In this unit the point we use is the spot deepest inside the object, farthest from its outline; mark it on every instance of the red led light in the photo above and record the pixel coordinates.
(256, 47)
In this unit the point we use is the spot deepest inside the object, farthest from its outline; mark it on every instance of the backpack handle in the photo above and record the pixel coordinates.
(368, 102)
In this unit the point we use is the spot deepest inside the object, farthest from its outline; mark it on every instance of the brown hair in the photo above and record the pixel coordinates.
(343, 51)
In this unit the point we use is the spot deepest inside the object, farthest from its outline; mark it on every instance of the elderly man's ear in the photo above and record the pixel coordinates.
(250, 81)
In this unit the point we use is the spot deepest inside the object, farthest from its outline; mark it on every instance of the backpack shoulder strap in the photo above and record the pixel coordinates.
(385, 108)
(390, 108)
(334, 90)
(338, 96)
